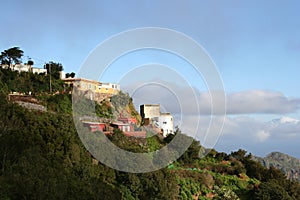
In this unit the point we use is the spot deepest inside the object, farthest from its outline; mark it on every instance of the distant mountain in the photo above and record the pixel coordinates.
(287, 164)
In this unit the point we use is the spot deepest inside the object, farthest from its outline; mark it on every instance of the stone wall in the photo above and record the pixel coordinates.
(32, 106)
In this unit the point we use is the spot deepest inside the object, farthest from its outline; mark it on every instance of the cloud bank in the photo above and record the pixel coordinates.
(281, 134)
(261, 101)
(196, 102)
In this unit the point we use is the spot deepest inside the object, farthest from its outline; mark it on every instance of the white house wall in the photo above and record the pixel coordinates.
(166, 123)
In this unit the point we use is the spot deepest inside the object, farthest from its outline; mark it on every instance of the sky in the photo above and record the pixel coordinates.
(255, 46)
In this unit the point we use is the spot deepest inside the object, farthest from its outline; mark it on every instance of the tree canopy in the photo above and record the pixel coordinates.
(11, 56)
(54, 69)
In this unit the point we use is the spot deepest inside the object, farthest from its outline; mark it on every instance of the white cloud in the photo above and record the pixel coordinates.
(262, 135)
(285, 119)
(285, 128)
(191, 101)
(246, 102)
(259, 131)
(260, 101)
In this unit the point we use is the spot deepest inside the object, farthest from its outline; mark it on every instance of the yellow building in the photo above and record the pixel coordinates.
(93, 86)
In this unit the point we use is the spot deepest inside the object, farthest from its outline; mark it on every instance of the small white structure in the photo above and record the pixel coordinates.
(165, 122)
(151, 115)
(62, 75)
(38, 70)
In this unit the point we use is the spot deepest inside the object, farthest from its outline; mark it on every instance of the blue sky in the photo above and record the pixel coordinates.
(254, 44)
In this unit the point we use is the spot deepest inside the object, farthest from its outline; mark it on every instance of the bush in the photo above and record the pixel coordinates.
(271, 191)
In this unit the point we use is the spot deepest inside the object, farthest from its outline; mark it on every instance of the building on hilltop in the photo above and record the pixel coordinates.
(151, 115)
(92, 85)
(166, 123)
(24, 68)
(98, 91)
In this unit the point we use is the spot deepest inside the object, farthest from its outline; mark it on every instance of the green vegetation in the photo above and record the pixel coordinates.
(33, 83)
(42, 157)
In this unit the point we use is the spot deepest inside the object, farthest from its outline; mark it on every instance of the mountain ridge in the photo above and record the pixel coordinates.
(289, 165)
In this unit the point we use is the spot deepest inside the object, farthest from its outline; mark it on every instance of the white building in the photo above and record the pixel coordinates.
(151, 115)
(25, 68)
(166, 123)
(21, 68)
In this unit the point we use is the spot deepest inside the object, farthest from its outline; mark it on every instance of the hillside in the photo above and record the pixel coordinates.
(42, 157)
(289, 165)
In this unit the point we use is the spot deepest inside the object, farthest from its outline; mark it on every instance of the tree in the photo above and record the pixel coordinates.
(53, 74)
(192, 153)
(271, 191)
(240, 154)
(30, 62)
(11, 56)
(54, 69)
(70, 75)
